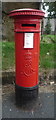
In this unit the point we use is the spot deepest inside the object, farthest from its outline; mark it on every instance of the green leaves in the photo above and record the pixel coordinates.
(51, 9)
(8, 58)
(48, 27)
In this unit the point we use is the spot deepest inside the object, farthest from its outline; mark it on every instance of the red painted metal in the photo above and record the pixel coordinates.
(27, 59)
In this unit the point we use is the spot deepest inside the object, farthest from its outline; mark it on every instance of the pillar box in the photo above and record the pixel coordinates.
(27, 28)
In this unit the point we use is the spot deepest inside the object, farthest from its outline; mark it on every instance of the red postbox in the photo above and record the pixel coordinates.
(27, 28)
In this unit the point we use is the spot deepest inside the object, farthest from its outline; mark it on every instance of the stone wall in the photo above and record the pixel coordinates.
(8, 6)
(7, 29)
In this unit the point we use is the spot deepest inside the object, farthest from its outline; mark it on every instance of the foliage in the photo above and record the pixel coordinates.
(47, 55)
(8, 59)
(48, 27)
(51, 9)
(48, 39)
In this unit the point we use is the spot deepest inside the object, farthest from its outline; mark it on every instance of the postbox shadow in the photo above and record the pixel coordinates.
(23, 103)
(26, 103)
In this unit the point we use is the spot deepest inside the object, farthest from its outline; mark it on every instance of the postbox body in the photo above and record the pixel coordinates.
(27, 28)
(27, 52)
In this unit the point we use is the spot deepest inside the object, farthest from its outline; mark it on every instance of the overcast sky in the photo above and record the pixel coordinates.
(46, 13)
